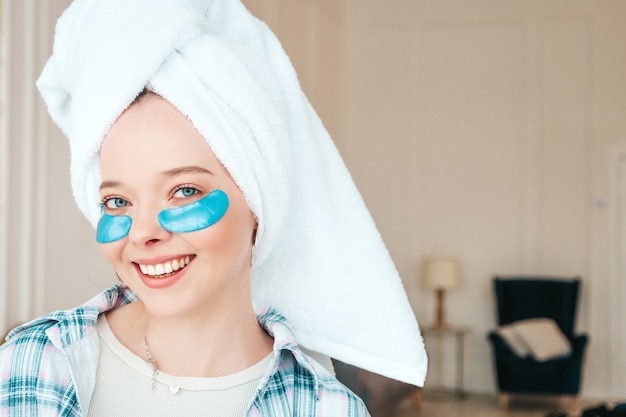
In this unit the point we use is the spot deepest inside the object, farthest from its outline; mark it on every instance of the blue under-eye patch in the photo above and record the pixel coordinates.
(112, 228)
(189, 218)
(197, 215)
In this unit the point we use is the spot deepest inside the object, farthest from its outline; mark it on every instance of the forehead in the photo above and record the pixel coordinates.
(153, 135)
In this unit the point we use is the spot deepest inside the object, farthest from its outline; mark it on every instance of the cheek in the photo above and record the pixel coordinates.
(232, 234)
(111, 252)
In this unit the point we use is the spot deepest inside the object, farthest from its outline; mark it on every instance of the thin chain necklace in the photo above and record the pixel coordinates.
(155, 371)
(151, 362)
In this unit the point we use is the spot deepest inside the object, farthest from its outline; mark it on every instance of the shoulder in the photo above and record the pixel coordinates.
(33, 362)
(26, 346)
(299, 382)
(335, 399)
(64, 327)
(30, 349)
(32, 369)
(35, 341)
(306, 389)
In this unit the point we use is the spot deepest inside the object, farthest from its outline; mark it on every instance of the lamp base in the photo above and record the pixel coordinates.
(440, 310)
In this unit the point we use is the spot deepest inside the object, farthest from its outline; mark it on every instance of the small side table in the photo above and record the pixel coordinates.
(458, 333)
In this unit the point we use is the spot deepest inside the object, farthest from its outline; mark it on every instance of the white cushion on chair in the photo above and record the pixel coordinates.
(541, 338)
(514, 340)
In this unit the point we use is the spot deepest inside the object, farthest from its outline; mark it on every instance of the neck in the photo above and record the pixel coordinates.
(224, 342)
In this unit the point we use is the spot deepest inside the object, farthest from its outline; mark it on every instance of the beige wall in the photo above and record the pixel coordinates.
(48, 259)
(490, 130)
(486, 130)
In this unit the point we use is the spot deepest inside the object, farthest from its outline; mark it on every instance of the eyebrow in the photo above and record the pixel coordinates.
(186, 170)
(169, 173)
(109, 184)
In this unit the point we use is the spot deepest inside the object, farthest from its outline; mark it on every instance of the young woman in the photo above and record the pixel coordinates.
(228, 216)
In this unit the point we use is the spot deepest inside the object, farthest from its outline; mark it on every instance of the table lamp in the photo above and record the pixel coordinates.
(441, 274)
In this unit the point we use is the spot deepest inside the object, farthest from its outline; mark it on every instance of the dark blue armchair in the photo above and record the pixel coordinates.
(520, 298)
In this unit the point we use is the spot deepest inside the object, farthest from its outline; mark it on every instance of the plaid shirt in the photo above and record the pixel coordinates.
(48, 368)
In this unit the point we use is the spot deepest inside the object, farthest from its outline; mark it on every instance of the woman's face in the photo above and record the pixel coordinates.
(151, 160)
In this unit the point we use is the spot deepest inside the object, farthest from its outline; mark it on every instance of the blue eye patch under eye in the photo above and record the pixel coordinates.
(189, 218)
(197, 215)
(112, 228)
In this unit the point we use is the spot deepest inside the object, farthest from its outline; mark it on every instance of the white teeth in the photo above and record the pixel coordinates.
(164, 268)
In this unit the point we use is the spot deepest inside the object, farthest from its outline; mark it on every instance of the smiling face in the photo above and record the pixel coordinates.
(153, 159)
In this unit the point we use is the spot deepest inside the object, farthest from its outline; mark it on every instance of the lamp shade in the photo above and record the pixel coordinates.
(442, 273)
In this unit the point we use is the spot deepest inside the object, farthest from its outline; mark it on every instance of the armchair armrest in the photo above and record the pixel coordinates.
(579, 343)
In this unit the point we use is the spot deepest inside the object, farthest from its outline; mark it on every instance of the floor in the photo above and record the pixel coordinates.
(485, 405)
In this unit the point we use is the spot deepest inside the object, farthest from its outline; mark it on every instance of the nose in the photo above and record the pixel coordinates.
(146, 230)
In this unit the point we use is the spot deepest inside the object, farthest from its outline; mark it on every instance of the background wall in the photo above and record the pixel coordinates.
(489, 130)
(493, 131)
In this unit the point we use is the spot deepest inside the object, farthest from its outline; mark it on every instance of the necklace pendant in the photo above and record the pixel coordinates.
(174, 390)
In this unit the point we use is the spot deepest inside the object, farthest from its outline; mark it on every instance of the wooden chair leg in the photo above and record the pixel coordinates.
(574, 405)
(503, 399)
(571, 403)
(416, 399)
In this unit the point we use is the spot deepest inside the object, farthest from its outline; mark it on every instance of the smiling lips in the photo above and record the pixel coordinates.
(164, 269)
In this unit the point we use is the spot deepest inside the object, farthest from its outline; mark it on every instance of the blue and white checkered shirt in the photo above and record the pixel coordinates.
(48, 368)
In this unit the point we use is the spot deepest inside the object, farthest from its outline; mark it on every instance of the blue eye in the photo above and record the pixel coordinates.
(185, 192)
(115, 202)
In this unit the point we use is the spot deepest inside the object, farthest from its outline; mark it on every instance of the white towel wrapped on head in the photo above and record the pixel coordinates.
(319, 258)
